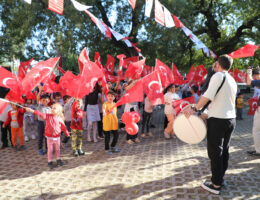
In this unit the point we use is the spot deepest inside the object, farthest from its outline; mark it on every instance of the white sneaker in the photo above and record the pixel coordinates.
(26, 138)
(167, 136)
(33, 137)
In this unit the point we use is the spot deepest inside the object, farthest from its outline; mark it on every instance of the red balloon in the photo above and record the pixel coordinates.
(136, 116)
(131, 129)
(127, 118)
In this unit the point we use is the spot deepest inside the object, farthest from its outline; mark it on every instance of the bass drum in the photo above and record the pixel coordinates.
(190, 130)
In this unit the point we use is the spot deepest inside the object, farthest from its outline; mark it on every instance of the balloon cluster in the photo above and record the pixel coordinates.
(130, 119)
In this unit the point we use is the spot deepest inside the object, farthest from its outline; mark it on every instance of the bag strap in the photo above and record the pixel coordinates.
(207, 104)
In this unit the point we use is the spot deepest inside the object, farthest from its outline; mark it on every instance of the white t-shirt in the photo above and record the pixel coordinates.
(169, 98)
(223, 106)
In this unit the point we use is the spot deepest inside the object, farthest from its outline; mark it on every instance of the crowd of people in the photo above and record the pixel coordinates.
(53, 119)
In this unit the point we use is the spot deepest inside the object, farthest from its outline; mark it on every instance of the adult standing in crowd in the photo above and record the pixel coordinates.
(256, 125)
(221, 120)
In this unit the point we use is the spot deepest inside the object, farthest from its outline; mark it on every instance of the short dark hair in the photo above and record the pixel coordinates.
(57, 94)
(65, 97)
(225, 61)
(195, 88)
(111, 92)
(45, 96)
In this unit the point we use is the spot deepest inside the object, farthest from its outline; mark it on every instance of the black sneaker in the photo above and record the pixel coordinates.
(75, 153)
(80, 152)
(209, 187)
(60, 163)
(50, 164)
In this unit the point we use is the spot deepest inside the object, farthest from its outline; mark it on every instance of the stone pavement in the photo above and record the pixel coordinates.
(154, 169)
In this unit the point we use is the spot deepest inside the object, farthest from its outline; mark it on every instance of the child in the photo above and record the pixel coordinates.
(110, 123)
(58, 98)
(77, 127)
(67, 110)
(169, 111)
(148, 111)
(53, 128)
(194, 90)
(28, 122)
(15, 119)
(239, 106)
(44, 108)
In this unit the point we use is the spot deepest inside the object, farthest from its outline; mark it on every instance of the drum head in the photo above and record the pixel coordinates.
(191, 130)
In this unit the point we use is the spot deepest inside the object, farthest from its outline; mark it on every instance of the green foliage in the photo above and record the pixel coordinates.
(33, 31)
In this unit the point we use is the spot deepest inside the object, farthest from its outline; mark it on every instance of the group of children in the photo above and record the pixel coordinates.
(53, 116)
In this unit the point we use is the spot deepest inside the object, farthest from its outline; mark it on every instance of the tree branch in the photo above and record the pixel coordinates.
(231, 45)
(120, 44)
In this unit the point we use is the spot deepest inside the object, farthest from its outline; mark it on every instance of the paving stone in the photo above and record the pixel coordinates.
(154, 169)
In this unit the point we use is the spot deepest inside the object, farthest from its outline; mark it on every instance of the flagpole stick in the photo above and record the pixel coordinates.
(7, 101)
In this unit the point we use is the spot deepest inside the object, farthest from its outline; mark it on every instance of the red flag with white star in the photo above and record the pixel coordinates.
(180, 104)
(135, 69)
(153, 88)
(246, 51)
(24, 66)
(253, 105)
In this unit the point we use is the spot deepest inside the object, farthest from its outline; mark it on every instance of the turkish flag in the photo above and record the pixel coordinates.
(121, 63)
(135, 69)
(158, 13)
(88, 79)
(132, 3)
(239, 76)
(147, 70)
(8, 79)
(98, 59)
(52, 76)
(166, 75)
(190, 74)
(109, 67)
(129, 60)
(111, 78)
(39, 73)
(178, 79)
(253, 105)
(69, 84)
(15, 96)
(83, 57)
(153, 88)
(56, 6)
(180, 104)
(246, 51)
(24, 66)
(200, 72)
(177, 22)
(50, 86)
(135, 94)
(31, 95)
